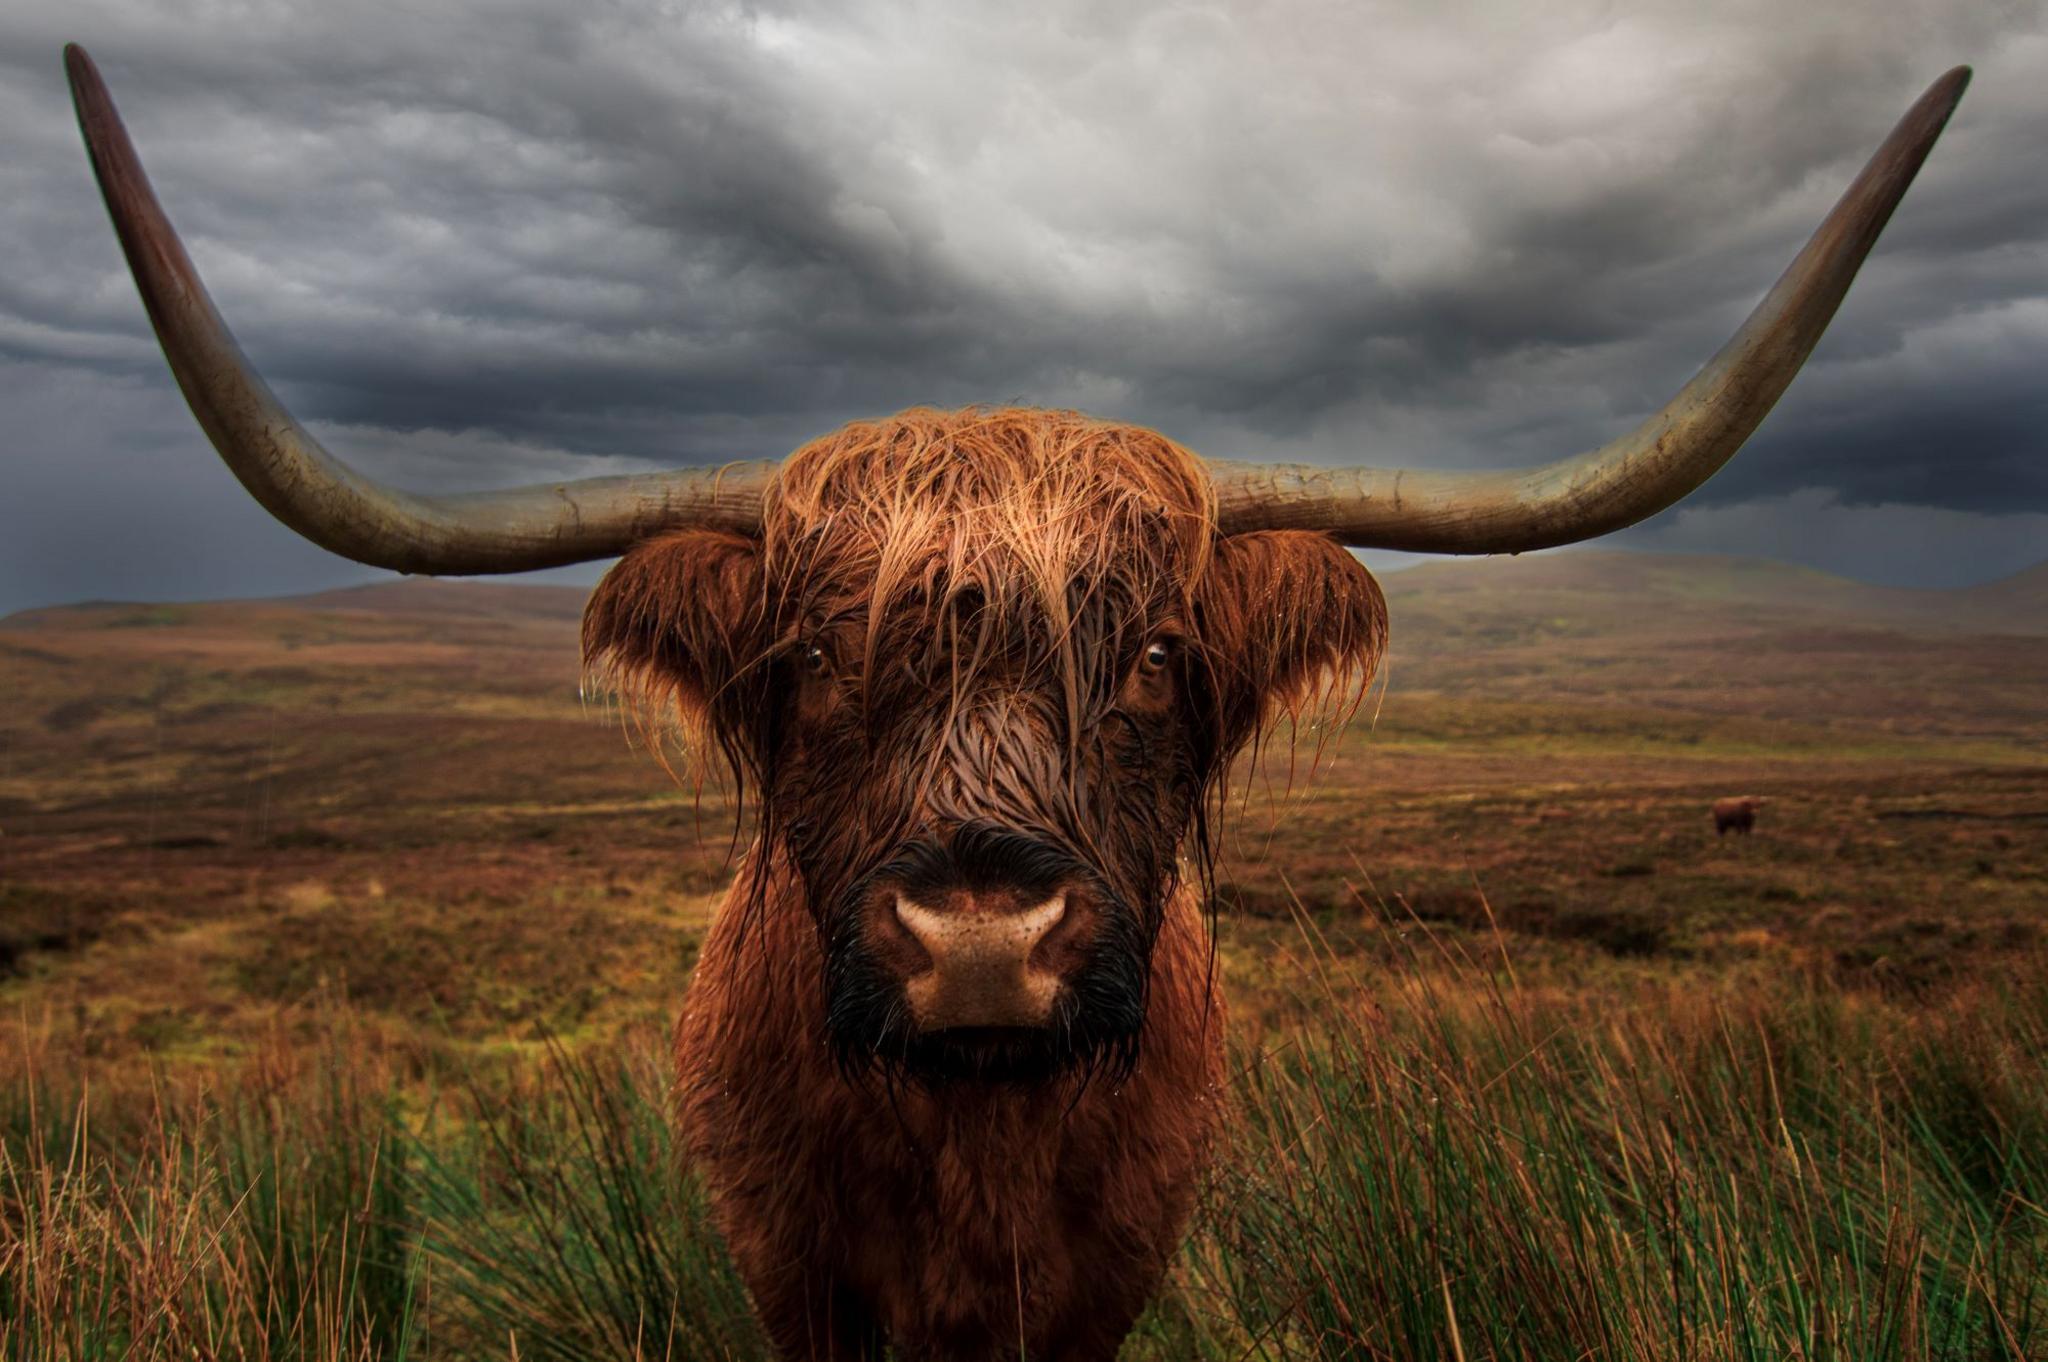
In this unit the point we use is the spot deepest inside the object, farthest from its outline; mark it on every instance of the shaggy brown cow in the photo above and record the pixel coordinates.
(1738, 813)
(950, 1059)
(984, 671)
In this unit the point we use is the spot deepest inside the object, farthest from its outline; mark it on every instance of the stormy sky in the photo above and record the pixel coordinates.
(490, 243)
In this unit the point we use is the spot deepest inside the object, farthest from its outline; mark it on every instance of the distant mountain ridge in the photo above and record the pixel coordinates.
(1600, 587)
(1585, 591)
(1667, 643)
(451, 596)
(406, 597)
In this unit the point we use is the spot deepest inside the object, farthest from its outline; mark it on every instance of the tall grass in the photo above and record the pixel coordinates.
(1443, 1163)
(260, 1226)
(338, 1215)
(1459, 1168)
(558, 1220)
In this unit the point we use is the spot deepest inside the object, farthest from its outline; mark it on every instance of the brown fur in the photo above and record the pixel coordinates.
(938, 627)
(1738, 813)
(956, 1224)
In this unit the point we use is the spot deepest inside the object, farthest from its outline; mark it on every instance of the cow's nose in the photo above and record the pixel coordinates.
(981, 970)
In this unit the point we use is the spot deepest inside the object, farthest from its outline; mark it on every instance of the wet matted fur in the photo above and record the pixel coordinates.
(933, 649)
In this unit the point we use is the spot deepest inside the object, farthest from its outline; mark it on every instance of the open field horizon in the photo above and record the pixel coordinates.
(236, 836)
(1548, 732)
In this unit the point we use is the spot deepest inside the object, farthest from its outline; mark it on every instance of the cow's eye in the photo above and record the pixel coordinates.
(1158, 653)
(815, 661)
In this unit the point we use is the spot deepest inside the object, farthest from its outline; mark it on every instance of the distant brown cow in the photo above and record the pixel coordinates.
(951, 1057)
(1737, 813)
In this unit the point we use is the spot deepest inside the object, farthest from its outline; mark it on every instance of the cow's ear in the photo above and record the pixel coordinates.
(679, 624)
(1289, 621)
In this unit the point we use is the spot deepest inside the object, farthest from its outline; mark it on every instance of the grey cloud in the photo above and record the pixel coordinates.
(494, 241)
(1888, 543)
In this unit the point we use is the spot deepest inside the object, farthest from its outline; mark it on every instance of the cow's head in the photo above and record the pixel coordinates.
(986, 669)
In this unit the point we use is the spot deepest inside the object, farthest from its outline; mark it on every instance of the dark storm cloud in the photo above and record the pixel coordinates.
(503, 242)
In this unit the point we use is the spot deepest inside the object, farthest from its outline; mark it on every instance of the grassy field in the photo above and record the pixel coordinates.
(338, 938)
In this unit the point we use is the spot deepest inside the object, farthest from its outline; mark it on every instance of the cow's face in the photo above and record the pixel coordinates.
(985, 672)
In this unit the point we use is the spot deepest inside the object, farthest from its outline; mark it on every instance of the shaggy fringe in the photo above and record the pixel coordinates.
(997, 528)
(996, 523)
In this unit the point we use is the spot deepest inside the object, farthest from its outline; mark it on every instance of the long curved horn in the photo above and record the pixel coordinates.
(1646, 470)
(322, 498)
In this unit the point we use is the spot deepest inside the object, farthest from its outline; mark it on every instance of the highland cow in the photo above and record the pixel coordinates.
(951, 1059)
(1737, 813)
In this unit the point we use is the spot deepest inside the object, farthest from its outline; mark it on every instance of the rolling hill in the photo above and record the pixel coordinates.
(430, 689)
(208, 809)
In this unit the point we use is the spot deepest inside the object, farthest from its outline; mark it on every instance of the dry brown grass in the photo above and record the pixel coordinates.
(295, 887)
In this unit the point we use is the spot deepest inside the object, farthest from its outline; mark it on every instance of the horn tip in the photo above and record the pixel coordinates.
(1949, 89)
(83, 74)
